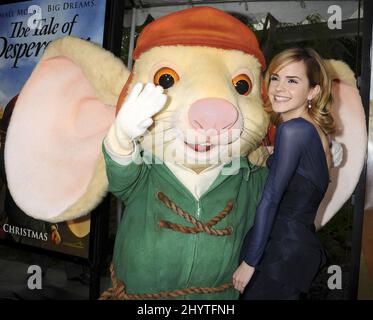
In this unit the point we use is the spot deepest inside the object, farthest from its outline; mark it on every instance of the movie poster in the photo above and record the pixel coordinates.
(26, 29)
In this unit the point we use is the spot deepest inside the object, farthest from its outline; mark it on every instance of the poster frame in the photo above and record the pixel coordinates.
(359, 199)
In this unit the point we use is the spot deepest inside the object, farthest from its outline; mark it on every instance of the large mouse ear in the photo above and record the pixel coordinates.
(54, 167)
(349, 116)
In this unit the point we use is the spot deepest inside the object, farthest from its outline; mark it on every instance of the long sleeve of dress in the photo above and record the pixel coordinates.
(290, 143)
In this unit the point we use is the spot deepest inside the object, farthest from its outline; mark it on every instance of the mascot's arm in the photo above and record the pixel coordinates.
(123, 172)
(123, 162)
(54, 165)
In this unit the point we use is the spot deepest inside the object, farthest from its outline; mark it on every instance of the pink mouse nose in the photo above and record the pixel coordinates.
(212, 113)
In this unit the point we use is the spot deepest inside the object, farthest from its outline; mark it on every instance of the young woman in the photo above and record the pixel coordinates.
(281, 254)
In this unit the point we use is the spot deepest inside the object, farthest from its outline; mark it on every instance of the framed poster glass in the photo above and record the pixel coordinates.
(26, 29)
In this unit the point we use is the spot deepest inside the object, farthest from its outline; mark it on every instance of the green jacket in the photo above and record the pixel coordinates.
(149, 258)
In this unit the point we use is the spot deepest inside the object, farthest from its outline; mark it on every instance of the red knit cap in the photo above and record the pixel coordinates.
(199, 26)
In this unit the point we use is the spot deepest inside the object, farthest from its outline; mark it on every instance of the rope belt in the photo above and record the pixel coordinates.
(199, 226)
(117, 292)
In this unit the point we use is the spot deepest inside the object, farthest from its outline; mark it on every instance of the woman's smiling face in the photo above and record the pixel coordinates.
(289, 90)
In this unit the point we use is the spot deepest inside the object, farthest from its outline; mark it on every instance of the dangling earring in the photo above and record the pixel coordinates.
(309, 104)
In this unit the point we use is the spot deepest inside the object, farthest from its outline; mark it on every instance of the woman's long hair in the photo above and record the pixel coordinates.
(316, 74)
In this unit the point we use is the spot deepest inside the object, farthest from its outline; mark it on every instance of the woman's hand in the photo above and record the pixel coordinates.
(242, 276)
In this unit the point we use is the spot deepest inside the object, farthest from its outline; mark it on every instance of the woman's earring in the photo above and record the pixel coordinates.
(309, 104)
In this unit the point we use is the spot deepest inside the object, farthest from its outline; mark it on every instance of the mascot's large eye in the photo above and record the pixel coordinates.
(166, 77)
(242, 84)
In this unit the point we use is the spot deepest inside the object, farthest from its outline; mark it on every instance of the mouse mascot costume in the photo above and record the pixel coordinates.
(176, 149)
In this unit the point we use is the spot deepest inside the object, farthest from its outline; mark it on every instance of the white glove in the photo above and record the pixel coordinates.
(337, 153)
(135, 115)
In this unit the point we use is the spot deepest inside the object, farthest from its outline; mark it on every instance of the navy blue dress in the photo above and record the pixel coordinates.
(282, 245)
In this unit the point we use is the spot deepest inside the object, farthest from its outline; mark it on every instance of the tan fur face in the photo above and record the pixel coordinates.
(205, 75)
